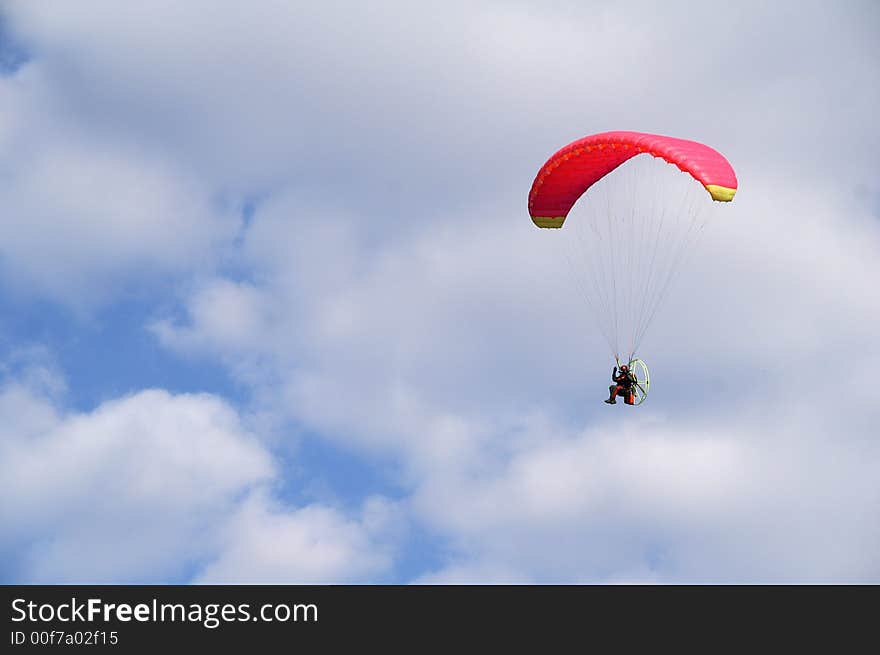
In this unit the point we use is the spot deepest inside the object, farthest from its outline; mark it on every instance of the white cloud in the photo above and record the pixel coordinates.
(87, 215)
(659, 501)
(231, 313)
(484, 573)
(398, 298)
(157, 488)
(138, 122)
(127, 492)
(264, 544)
(751, 463)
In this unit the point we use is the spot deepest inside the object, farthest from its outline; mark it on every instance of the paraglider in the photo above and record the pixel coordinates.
(632, 383)
(638, 220)
(623, 386)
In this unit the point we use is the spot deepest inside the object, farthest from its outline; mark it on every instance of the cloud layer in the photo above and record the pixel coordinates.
(330, 203)
(159, 487)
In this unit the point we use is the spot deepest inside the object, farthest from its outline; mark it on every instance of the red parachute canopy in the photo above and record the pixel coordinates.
(575, 168)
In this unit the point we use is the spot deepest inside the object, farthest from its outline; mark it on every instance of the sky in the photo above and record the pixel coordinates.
(272, 309)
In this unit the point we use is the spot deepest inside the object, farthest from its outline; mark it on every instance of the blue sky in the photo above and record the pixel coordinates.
(272, 309)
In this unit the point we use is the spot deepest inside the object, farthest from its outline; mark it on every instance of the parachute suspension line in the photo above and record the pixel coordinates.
(603, 261)
(652, 265)
(591, 282)
(609, 220)
(632, 191)
(622, 257)
(648, 290)
(621, 226)
(599, 279)
(595, 299)
(591, 301)
(630, 263)
(698, 218)
(630, 218)
(680, 243)
(641, 251)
